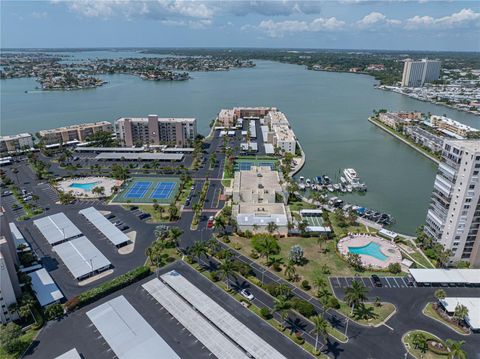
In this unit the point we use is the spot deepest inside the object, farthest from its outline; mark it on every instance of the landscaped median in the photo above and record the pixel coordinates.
(424, 345)
(431, 312)
(107, 288)
(376, 314)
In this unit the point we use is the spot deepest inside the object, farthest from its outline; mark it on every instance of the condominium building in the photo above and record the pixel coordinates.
(9, 286)
(284, 139)
(228, 117)
(453, 217)
(153, 130)
(417, 73)
(256, 200)
(451, 127)
(397, 119)
(424, 138)
(74, 132)
(15, 143)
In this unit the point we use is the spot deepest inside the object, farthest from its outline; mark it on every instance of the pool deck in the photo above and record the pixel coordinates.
(387, 248)
(107, 183)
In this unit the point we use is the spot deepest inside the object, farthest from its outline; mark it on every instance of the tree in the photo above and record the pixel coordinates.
(461, 312)
(290, 270)
(198, 249)
(455, 349)
(419, 341)
(355, 261)
(296, 254)
(271, 227)
(226, 270)
(302, 227)
(172, 211)
(324, 295)
(355, 294)
(212, 246)
(54, 311)
(320, 327)
(119, 172)
(364, 312)
(10, 337)
(174, 233)
(321, 240)
(161, 232)
(282, 305)
(319, 282)
(440, 294)
(394, 268)
(266, 245)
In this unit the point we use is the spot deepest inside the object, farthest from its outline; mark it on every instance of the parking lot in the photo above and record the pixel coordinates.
(387, 282)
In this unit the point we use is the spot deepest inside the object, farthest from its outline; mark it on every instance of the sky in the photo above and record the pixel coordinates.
(342, 24)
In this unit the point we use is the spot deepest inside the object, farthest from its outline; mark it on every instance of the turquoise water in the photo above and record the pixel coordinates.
(84, 186)
(371, 249)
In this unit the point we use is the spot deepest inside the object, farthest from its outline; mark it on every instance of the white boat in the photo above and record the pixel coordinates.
(343, 180)
(349, 188)
(351, 177)
(330, 188)
(302, 179)
(301, 186)
(336, 187)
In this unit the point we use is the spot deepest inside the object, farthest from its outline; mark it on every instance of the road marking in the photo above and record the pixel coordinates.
(389, 327)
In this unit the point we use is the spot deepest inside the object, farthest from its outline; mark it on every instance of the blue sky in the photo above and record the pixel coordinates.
(350, 24)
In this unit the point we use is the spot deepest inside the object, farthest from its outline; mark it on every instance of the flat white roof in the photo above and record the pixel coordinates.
(311, 211)
(127, 332)
(110, 149)
(147, 156)
(387, 233)
(225, 321)
(44, 287)
(56, 228)
(71, 354)
(201, 328)
(108, 229)
(471, 276)
(178, 149)
(269, 148)
(17, 235)
(472, 304)
(81, 257)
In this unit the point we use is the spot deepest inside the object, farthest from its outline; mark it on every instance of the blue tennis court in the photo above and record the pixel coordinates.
(244, 166)
(163, 190)
(138, 189)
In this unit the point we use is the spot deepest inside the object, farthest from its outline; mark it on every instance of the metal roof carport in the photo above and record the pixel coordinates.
(108, 229)
(81, 257)
(44, 287)
(472, 304)
(57, 228)
(71, 354)
(127, 332)
(446, 276)
(144, 156)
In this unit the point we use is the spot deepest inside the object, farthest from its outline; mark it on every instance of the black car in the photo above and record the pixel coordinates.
(376, 280)
(124, 228)
(110, 216)
(144, 216)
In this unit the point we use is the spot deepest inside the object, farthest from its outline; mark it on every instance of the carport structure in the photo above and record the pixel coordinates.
(57, 228)
(81, 257)
(108, 229)
(446, 276)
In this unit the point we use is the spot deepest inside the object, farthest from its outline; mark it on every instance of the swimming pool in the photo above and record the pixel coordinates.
(84, 186)
(371, 249)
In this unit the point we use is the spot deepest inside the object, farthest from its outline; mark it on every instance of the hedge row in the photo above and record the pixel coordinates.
(107, 288)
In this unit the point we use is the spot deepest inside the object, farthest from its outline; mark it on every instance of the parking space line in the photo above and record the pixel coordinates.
(402, 284)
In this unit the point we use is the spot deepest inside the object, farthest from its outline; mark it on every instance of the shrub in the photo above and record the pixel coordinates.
(296, 254)
(108, 287)
(394, 268)
(298, 338)
(303, 307)
(265, 312)
(254, 254)
(54, 311)
(10, 337)
(214, 276)
(334, 303)
(306, 285)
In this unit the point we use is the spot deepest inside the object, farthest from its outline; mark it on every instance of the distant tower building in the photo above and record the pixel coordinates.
(9, 286)
(453, 217)
(417, 73)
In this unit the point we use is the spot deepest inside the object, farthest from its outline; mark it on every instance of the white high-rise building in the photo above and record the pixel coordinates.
(453, 217)
(417, 73)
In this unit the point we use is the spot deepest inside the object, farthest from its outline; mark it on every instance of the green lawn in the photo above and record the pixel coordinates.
(26, 339)
(381, 313)
(316, 260)
(416, 353)
(156, 216)
(429, 311)
(297, 206)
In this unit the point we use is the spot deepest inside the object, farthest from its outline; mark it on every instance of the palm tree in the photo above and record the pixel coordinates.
(324, 296)
(275, 262)
(221, 222)
(355, 294)
(364, 312)
(160, 232)
(174, 233)
(461, 312)
(172, 211)
(212, 246)
(456, 351)
(226, 270)
(440, 294)
(321, 241)
(290, 270)
(319, 329)
(419, 340)
(319, 282)
(271, 227)
(197, 249)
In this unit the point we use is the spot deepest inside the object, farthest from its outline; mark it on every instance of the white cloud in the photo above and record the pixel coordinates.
(280, 28)
(465, 17)
(376, 19)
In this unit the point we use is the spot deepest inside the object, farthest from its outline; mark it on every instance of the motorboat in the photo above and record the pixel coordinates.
(330, 188)
(351, 177)
(326, 180)
(349, 188)
(302, 179)
(336, 187)
(343, 180)
(308, 183)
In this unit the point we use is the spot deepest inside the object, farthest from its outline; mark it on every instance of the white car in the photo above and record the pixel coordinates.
(246, 293)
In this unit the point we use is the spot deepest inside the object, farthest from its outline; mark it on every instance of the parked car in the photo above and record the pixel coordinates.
(124, 228)
(246, 293)
(111, 216)
(376, 280)
(192, 188)
(210, 222)
(133, 208)
(187, 202)
(144, 215)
